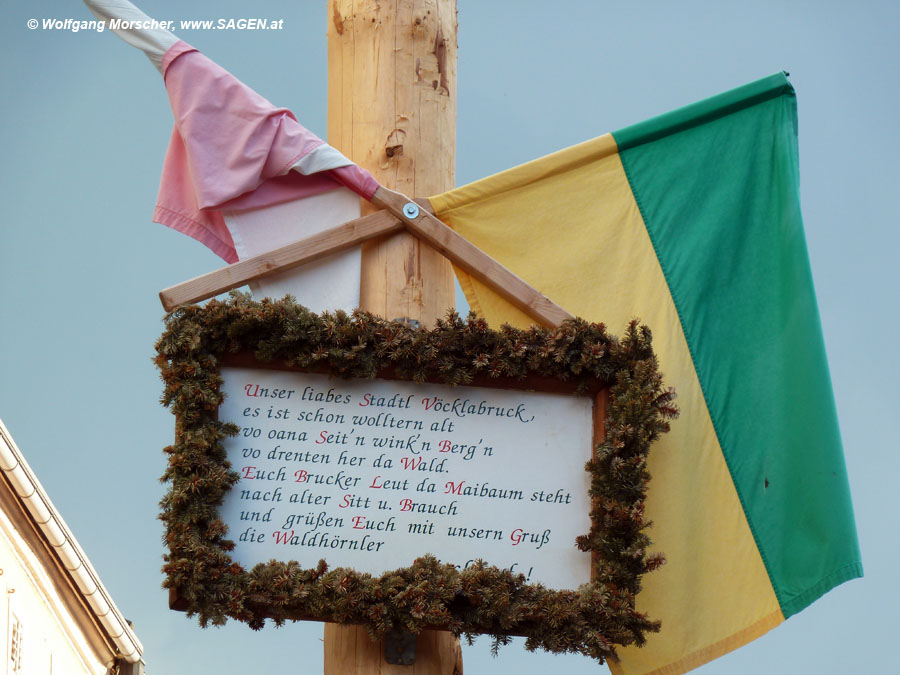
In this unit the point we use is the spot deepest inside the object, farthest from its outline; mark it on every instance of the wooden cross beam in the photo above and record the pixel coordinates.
(399, 213)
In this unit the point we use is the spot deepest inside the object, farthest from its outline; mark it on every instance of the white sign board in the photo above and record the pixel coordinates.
(371, 474)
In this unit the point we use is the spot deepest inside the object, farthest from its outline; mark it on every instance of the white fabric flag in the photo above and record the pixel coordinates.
(244, 177)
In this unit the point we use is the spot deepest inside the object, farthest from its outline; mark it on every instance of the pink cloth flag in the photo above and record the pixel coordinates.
(232, 151)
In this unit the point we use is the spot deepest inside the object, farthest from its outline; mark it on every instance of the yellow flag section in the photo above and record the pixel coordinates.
(690, 222)
(526, 218)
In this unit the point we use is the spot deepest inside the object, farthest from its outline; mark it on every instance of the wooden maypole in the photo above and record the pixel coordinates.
(392, 110)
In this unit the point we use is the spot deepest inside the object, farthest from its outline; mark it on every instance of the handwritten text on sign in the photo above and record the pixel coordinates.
(371, 474)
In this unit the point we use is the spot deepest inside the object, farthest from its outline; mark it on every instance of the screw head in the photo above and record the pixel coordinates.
(410, 210)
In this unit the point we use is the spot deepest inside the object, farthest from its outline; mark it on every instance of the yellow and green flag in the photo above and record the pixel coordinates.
(691, 222)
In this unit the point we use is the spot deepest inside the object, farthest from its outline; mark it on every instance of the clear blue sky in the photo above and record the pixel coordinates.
(85, 127)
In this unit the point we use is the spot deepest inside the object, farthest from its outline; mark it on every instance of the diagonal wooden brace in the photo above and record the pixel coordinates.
(399, 213)
(287, 257)
(462, 253)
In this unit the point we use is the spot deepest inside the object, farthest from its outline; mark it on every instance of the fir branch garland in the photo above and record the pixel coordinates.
(592, 619)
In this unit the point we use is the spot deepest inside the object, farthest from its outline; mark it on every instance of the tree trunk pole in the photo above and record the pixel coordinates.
(392, 110)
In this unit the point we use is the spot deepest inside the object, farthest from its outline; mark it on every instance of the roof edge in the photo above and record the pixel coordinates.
(66, 549)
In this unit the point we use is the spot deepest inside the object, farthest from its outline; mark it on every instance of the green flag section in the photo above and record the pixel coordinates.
(691, 221)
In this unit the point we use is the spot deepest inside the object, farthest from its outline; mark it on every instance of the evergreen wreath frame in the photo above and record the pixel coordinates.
(481, 599)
